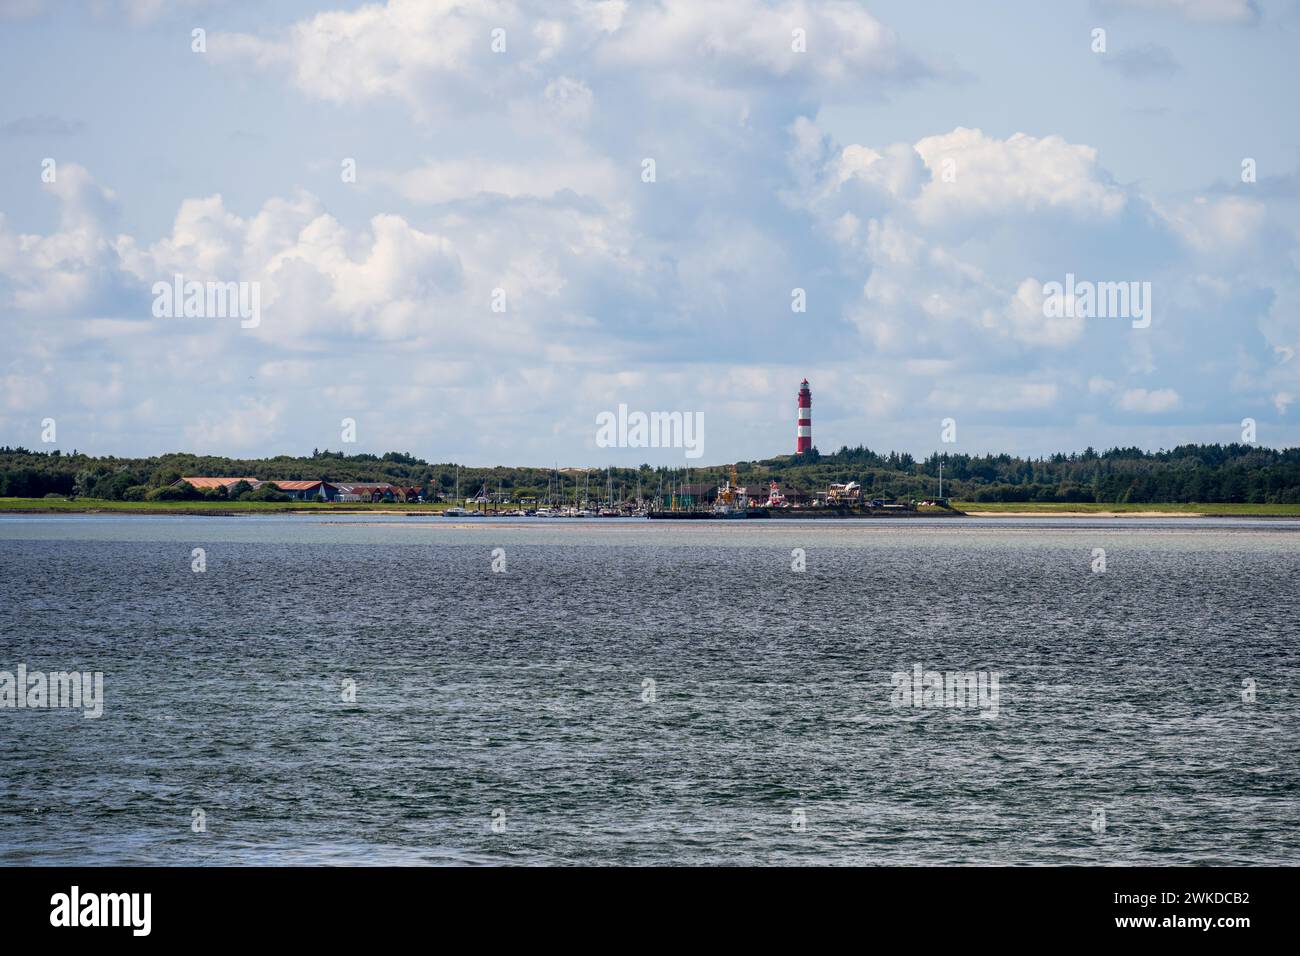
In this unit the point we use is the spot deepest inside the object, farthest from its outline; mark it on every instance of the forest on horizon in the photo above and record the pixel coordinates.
(1188, 473)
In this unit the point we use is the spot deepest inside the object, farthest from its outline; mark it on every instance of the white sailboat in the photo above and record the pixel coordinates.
(456, 511)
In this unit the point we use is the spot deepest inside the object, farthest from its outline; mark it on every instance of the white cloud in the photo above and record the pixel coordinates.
(71, 268)
(137, 12)
(1021, 174)
(21, 9)
(1143, 62)
(570, 100)
(23, 392)
(1152, 402)
(997, 397)
(408, 49)
(446, 180)
(238, 429)
(1027, 322)
(737, 41)
(1208, 11)
(1216, 226)
(914, 214)
(316, 276)
(521, 172)
(431, 54)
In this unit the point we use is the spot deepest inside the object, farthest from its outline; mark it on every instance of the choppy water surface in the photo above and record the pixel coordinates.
(523, 693)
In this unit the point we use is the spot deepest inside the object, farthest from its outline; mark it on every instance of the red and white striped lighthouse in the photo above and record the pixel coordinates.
(803, 434)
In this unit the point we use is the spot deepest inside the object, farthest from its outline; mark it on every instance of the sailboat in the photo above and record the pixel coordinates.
(609, 511)
(456, 511)
(479, 499)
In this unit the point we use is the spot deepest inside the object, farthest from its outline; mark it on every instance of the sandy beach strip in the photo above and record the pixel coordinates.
(1086, 514)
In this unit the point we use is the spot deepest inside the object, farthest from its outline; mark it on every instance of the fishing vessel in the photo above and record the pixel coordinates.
(733, 500)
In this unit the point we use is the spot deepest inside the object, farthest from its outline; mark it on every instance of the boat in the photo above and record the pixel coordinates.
(728, 511)
(716, 513)
(733, 500)
(737, 511)
(456, 511)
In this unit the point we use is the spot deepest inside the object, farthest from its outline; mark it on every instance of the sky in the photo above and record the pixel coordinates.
(474, 227)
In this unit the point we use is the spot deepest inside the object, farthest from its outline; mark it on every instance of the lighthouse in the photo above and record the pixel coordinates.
(803, 433)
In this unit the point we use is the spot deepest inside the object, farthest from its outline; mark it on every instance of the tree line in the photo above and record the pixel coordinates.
(1188, 473)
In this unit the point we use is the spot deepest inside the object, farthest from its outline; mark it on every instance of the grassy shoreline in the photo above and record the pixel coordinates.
(1049, 508)
(219, 508)
(96, 505)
